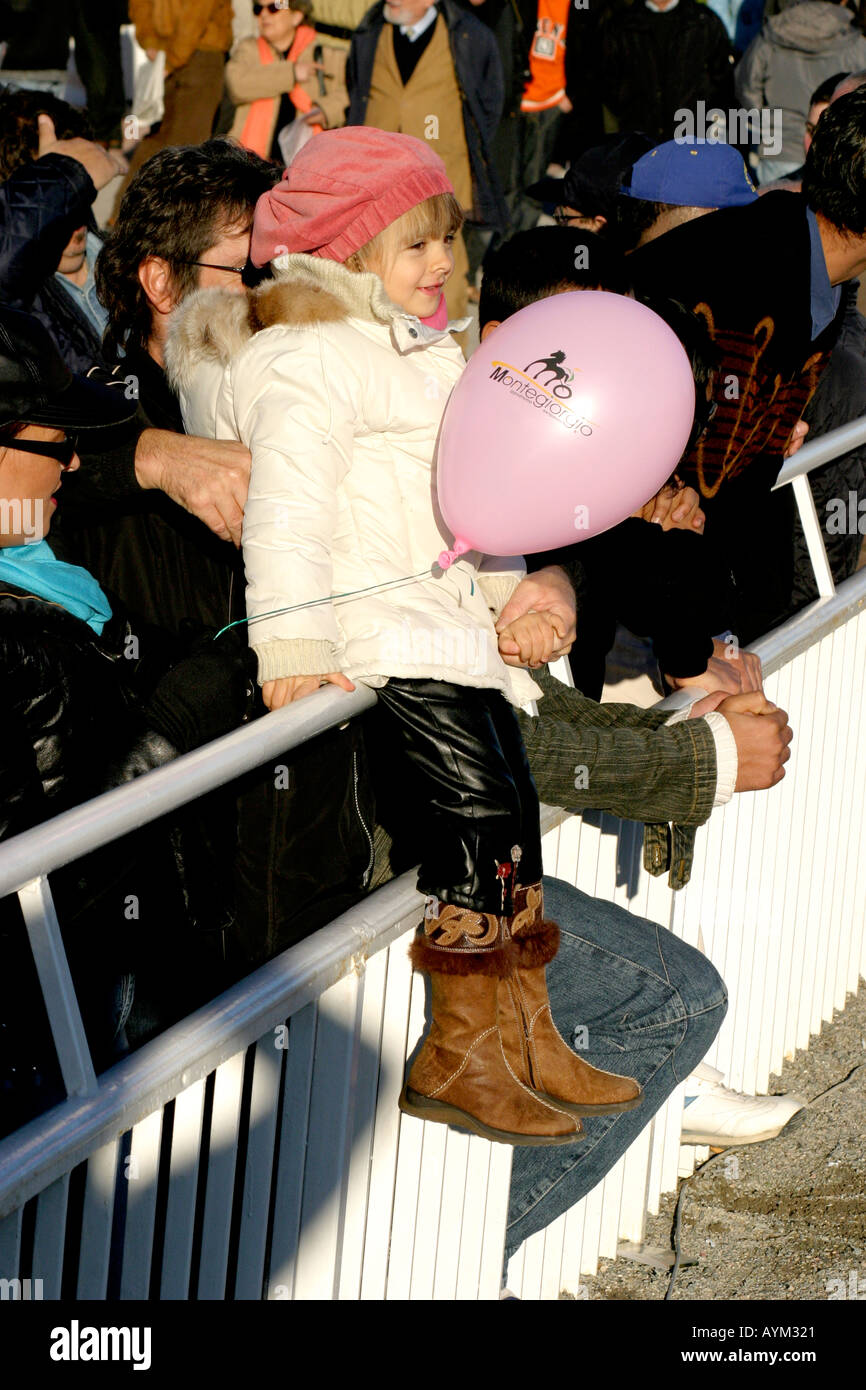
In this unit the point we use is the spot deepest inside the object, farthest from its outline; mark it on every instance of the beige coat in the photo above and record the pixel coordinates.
(248, 79)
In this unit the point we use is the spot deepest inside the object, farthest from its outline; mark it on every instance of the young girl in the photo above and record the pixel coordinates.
(337, 387)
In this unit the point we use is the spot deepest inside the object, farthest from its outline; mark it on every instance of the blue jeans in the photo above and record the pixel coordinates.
(651, 1006)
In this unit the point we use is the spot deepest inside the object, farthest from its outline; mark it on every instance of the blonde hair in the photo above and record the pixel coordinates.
(434, 219)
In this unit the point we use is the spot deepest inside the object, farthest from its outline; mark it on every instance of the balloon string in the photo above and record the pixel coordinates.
(331, 598)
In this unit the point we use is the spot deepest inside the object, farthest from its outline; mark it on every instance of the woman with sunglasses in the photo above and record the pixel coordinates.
(284, 77)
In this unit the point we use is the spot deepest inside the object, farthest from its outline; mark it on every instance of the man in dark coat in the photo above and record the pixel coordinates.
(768, 279)
(660, 57)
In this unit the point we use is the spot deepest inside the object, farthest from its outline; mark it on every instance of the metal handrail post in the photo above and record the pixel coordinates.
(58, 991)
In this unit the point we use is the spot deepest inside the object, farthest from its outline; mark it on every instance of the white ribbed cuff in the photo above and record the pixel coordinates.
(282, 658)
(727, 761)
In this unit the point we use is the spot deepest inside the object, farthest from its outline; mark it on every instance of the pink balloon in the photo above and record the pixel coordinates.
(568, 417)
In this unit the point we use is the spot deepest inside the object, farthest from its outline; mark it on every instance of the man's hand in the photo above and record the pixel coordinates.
(102, 165)
(208, 477)
(728, 670)
(796, 439)
(289, 688)
(762, 735)
(674, 508)
(537, 637)
(547, 591)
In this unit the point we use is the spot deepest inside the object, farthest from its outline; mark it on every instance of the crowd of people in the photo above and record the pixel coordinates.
(238, 385)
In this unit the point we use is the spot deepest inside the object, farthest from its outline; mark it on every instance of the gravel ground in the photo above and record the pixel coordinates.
(784, 1219)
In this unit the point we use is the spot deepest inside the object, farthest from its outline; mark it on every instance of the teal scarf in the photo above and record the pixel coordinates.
(37, 569)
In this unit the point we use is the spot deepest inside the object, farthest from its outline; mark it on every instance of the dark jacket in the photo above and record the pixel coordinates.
(479, 77)
(164, 564)
(653, 65)
(634, 574)
(758, 310)
(41, 205)
(80, 714)
(839, 399)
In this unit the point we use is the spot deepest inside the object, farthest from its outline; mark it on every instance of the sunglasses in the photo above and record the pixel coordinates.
(63, 451)
(272, 9)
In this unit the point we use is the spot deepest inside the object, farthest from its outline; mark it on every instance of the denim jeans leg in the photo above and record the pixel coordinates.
(634, 999)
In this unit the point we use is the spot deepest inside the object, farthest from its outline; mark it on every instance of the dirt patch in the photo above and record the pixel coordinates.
(781, 1220)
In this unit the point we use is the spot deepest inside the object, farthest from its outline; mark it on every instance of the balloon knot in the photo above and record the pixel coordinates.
(447, 557)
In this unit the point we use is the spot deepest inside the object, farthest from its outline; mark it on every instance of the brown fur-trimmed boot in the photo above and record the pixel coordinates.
(461, 1076)
(532, 1044)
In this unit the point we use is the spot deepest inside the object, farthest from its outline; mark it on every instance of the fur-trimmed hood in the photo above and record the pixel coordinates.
(306, 291)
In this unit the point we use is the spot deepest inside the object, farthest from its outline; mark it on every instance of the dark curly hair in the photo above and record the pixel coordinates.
(834, 179)
(19, 130)
(179, 203)
(545, 261)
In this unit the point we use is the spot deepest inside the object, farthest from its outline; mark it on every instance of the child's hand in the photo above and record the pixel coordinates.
(288, 688)
(532, 639)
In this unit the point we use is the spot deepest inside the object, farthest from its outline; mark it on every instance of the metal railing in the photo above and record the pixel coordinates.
(331, 1185)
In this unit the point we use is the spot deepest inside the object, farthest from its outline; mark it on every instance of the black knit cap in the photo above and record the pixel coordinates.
(37, 388)
(593, 180)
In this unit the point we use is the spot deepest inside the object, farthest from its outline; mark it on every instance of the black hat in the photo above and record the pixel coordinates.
(593, 180)
(37, 388)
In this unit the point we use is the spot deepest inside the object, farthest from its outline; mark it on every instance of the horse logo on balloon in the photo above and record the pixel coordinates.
(552, 368)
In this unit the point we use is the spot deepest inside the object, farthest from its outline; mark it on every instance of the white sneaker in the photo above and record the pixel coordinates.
(714, 1114)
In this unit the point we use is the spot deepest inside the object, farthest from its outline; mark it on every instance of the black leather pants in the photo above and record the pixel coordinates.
(468, 774)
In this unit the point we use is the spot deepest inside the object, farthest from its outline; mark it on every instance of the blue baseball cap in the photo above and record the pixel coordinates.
(699, 174)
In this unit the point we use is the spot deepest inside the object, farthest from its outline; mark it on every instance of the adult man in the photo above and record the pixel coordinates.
(677, 182)
(184, 224)
(433, 71)
(660, 57)
(767, 278)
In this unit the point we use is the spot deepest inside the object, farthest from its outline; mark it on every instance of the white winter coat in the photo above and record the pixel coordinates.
(338, 394)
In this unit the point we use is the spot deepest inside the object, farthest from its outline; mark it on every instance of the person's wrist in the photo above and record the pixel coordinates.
(148, 462)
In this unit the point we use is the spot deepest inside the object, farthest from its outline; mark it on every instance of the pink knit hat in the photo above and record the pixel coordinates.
(342, 189)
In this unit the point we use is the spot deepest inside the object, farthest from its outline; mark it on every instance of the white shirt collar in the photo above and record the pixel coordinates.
(409, 332)
(657, 10)
(414, 31)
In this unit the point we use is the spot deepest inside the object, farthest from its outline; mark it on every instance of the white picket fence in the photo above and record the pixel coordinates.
(256, 1150)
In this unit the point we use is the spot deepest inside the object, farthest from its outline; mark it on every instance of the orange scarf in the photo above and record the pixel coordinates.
(258, 134)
